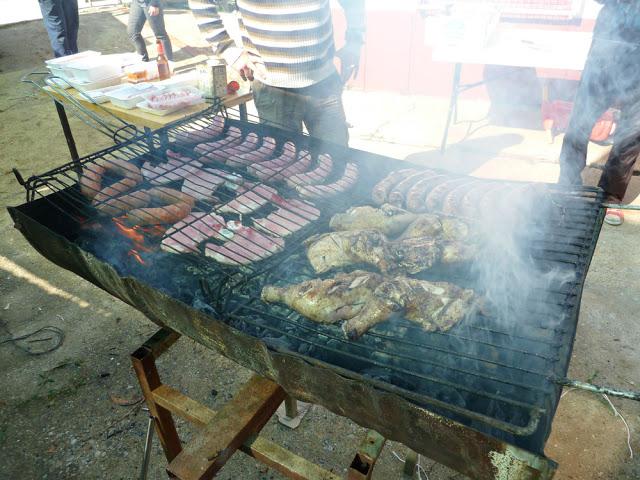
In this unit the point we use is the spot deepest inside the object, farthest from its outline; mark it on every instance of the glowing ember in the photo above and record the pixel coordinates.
(131, 233)
(134, 253)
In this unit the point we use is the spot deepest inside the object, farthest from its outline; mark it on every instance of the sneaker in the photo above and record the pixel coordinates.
(614, 217)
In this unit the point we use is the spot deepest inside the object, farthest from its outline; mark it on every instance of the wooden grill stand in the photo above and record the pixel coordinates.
(235, 427)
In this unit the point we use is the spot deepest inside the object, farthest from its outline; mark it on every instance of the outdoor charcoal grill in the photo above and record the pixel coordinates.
(479, 398)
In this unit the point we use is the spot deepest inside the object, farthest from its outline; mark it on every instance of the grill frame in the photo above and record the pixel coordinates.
(250, 351)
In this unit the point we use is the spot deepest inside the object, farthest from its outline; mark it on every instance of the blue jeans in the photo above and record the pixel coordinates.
(61, 21)
(138, 15)
(319, 107)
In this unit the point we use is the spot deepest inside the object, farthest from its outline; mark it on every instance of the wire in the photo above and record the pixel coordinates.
(625, 424)
(57, 337)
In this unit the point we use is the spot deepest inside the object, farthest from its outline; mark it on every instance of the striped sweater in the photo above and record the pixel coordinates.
(291, 41)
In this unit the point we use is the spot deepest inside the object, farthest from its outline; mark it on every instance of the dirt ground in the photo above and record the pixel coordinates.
(59, 412)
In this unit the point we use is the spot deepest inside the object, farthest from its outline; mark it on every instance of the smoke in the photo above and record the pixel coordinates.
(514, 233)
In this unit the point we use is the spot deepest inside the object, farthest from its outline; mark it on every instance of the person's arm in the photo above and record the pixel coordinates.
(213, 30)
(354, 38)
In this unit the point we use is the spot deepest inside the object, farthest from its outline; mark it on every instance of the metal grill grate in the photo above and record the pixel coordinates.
(493, 377)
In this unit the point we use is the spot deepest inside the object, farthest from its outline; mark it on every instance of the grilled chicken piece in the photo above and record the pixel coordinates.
(406, 254)
(327, 301)
(387, 219)
(438, 227)
(432, 305)
(339, 249)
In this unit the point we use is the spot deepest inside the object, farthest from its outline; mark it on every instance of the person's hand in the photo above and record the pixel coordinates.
(246, 66)
(349, 56)
(154, 11)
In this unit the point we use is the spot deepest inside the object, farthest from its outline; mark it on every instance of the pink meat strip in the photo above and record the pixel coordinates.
(249, 144)
(202, 134)
(315, 176)
(252, 197)
(243, 245)
(188, 233)
(247, 158)
(208, 150)
(265, 170)
(203, 183)
(175, 168)
(299, 166)
(346, 182)
(289, 218)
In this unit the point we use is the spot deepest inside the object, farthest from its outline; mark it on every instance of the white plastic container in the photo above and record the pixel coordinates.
(128, 96)
(99, 95)
(94, 68)
(59, 66)
(170, 100)
(105, 82)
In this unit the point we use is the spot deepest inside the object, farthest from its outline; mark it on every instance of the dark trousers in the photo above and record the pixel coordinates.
(61, 20)
(610, 78)
(319, 107)
(138, 15)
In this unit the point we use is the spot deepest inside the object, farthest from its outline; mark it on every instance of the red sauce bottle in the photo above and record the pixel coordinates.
(164, 71)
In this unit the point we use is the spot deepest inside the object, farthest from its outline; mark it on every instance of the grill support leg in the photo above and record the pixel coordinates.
(410, 466)
(144, 364)
(235, 427)
(66, 129)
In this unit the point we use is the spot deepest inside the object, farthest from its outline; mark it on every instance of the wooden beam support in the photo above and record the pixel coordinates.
(239, 419)
(263, 450)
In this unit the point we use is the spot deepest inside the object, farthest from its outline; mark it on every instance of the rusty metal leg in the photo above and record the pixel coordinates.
(144, 364)
(362, 465)
(410, 466)
(291, 413)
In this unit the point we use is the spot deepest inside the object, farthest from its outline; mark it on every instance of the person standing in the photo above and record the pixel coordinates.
(140, 12)
(288, 54)
(61, 19)
(611, 77)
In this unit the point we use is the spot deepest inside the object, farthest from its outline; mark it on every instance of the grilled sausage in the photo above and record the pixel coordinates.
(124, 203)
(380, 192)
(91, 180)
(415, 196)
(247, 158)
(315, 176)
(177, 206)
(435, 198)
(116, 167)
(398, 193)
(204, 134)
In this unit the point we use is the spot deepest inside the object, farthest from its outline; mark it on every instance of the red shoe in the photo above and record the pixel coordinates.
(614, 217)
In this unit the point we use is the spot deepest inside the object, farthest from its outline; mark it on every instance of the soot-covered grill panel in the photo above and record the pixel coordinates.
(489, 372)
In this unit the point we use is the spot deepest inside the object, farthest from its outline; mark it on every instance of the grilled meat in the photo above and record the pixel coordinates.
(239, 158)
(243, 245)
(202, 184)
(188, 233)
(315, 176)
(232, 138)
(380, 193)
(409, 254)
(387, 219)
(203, 134)
(174, 169)
(249, 144)
(290, 217)
(271, 169)
(176, 206)
(432, 305)
(343, 184)
(398, 193)
(327, 301)
(365, 299)
(251, 197)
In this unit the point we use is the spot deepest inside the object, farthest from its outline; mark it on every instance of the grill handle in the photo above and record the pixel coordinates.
(614, 392)
(96, 117)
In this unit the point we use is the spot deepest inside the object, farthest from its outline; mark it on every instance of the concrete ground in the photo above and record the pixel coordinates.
(61, 413)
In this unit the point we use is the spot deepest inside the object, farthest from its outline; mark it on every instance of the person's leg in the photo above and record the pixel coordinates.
(72, 23)
(137, 17)
(324, 113)
(157, 25)
(626, 148)
(277, 106)
(593, 98)
(53, 18)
